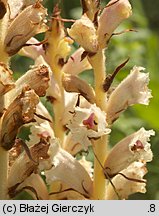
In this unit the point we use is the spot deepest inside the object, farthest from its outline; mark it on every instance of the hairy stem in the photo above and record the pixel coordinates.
(58, 107)
(100, 146)
(54, 39)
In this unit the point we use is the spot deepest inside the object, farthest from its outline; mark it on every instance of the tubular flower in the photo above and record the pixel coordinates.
(132, 90)
(93, 38)
(134, 147)
(112, 15)
(62, 163)
(87, 124)
(84, 32)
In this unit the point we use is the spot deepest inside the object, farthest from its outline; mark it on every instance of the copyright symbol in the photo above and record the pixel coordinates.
(9, 209)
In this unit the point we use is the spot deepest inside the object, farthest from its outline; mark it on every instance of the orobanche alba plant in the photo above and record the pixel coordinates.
(46, 165)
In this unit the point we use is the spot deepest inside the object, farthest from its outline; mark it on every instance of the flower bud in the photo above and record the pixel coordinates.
(113, 14)
(84, 33)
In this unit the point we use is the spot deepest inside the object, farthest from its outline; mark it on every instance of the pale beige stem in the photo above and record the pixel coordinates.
(58, 107)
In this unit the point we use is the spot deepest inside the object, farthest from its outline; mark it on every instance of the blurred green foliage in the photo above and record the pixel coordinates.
(142, 48)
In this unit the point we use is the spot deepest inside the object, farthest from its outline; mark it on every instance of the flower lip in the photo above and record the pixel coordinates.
(81, 121)
(89, 122)
(137, 146)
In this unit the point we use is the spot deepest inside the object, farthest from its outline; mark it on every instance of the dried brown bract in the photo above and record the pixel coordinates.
(19, 112)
